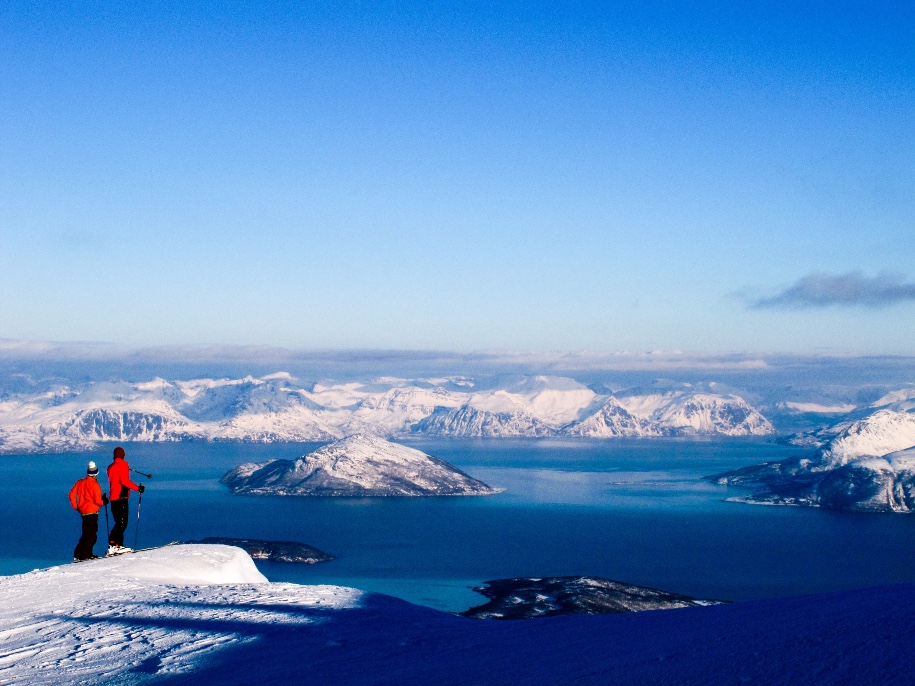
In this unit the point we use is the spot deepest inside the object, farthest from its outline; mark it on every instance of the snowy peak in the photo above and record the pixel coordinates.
(702, 413)
(613, 420)
(470, 421)
(554, 401)
(682, 413)
(359, 465)
(883, 432)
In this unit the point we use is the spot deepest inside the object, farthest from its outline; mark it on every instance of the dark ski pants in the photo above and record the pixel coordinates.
(119, 512)
(83, 550)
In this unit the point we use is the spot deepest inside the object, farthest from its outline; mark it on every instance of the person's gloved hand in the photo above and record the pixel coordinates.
(105, 500)
(141, 488)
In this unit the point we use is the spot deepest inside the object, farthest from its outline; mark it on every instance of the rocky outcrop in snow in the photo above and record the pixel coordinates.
(356, 466)
(867, 467)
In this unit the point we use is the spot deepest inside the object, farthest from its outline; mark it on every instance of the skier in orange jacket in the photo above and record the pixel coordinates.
(121, 486)
(86, 497)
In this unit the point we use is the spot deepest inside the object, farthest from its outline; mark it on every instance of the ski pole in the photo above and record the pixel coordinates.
(136, 532)
(148, 476)
(107, 528)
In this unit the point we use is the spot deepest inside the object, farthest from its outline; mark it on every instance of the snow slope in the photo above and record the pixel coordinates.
(91, 624)
(880, 433)
(127, 619)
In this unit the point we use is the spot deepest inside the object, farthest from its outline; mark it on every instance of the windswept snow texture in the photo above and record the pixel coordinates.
(868, 466)
(142, 616)
(203, 616)
(276, 407)
(356, 466)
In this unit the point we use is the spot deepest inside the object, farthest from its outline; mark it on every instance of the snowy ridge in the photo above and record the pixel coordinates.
(136, 618)
(359, 465)
(868, 466)
(702, 413)
(883, 432)
(477, 423)
(278, 408)
(901, 400)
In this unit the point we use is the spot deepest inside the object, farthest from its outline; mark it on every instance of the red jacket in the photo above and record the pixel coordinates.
(119, 479)
(86, 496)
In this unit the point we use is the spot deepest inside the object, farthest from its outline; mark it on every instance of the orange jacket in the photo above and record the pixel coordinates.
(119, 479)
(86, 496)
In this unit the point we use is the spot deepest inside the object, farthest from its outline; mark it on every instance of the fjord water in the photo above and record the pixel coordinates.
(631, 510)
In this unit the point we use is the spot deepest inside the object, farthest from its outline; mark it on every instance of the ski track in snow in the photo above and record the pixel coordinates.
(116, 619)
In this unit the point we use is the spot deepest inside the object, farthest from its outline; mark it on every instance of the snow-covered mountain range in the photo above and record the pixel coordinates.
(277, 407)
(868, 465)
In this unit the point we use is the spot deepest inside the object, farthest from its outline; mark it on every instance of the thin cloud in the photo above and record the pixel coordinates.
(828, 290)
(380, 361)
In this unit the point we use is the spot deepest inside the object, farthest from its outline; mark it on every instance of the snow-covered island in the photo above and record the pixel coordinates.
(57, 416)
(869, 466)
(203, 614)
(359, 465)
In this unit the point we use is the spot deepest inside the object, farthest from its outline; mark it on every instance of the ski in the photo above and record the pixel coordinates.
(141, 550)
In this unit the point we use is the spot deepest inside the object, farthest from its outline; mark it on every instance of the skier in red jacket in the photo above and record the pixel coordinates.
(121, 486)
(86, 497)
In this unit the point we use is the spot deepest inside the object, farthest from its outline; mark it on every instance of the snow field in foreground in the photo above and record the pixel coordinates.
(142, 615)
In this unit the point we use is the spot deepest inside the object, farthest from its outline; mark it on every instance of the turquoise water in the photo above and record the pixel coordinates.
(632, 510)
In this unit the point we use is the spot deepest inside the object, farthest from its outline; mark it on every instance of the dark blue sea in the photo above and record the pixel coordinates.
(632, 510)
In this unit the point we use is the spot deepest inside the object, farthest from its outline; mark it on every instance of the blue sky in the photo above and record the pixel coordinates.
(553, 176)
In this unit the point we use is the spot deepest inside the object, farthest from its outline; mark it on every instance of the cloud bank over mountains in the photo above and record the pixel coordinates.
(100, 351)
(819, 290)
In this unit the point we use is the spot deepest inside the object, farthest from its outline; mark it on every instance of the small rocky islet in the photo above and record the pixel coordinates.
(534, 597)
(272, 551)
